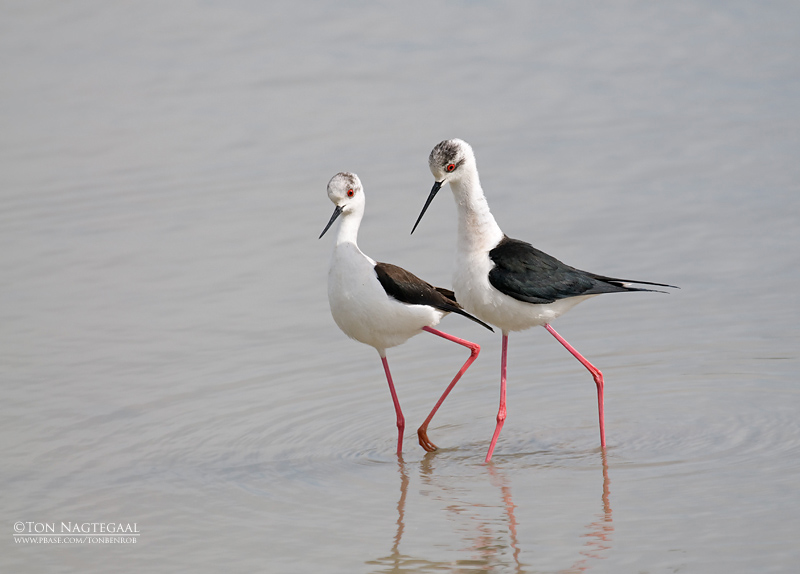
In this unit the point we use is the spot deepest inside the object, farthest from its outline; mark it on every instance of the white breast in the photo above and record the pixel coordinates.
(361, 307)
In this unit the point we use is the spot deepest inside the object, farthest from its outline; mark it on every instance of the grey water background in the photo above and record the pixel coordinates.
(166, 351)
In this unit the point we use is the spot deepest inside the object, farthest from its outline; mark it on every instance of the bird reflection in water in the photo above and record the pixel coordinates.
(492, 537)
(600, 531)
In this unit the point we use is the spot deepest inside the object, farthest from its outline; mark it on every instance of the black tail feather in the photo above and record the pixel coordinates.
(456, 307)
(468, 316)
(625, 284)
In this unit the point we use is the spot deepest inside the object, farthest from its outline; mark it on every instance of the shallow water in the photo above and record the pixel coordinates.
(166, 350)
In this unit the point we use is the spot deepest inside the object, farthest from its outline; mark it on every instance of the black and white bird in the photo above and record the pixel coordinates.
(507, 282)
(380, 304)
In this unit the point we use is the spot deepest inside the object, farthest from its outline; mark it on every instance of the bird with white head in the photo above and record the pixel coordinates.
(380, 304)
(507, 282)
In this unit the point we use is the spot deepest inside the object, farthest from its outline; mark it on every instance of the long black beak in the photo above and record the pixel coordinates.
(434, 190)
(336, 213)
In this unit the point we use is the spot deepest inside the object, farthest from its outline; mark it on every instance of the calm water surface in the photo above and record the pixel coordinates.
(166, 350)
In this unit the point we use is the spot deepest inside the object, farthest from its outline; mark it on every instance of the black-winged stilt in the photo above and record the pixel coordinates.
(380, 304)
(507, 282)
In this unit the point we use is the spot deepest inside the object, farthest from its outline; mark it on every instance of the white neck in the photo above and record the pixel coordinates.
(477, 228)
(348, 228)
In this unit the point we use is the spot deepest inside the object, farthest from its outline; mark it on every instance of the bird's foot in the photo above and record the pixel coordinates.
(424, 441)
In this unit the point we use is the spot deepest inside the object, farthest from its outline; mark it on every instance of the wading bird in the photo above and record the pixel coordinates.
(380, 304)
(507, 282)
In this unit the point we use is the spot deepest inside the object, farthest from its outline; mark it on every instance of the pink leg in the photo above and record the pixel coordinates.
(596, 374)
(401, 421)
(501, 414)
(422, 432)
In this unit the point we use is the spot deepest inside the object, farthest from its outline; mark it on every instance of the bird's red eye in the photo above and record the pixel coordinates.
(451, 167)
(350, 192)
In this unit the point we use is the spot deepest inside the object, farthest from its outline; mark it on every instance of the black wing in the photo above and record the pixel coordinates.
(523, 272)
(408, 288)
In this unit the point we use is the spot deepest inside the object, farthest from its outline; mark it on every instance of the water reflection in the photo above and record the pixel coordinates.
(397, 562)
(599, 532)
(501, 481)
(492, 539)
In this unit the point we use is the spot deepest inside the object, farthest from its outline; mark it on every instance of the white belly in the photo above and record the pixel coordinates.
(363, 310)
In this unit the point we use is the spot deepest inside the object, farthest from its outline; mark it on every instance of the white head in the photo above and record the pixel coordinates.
(347, 194)
(450, 161)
